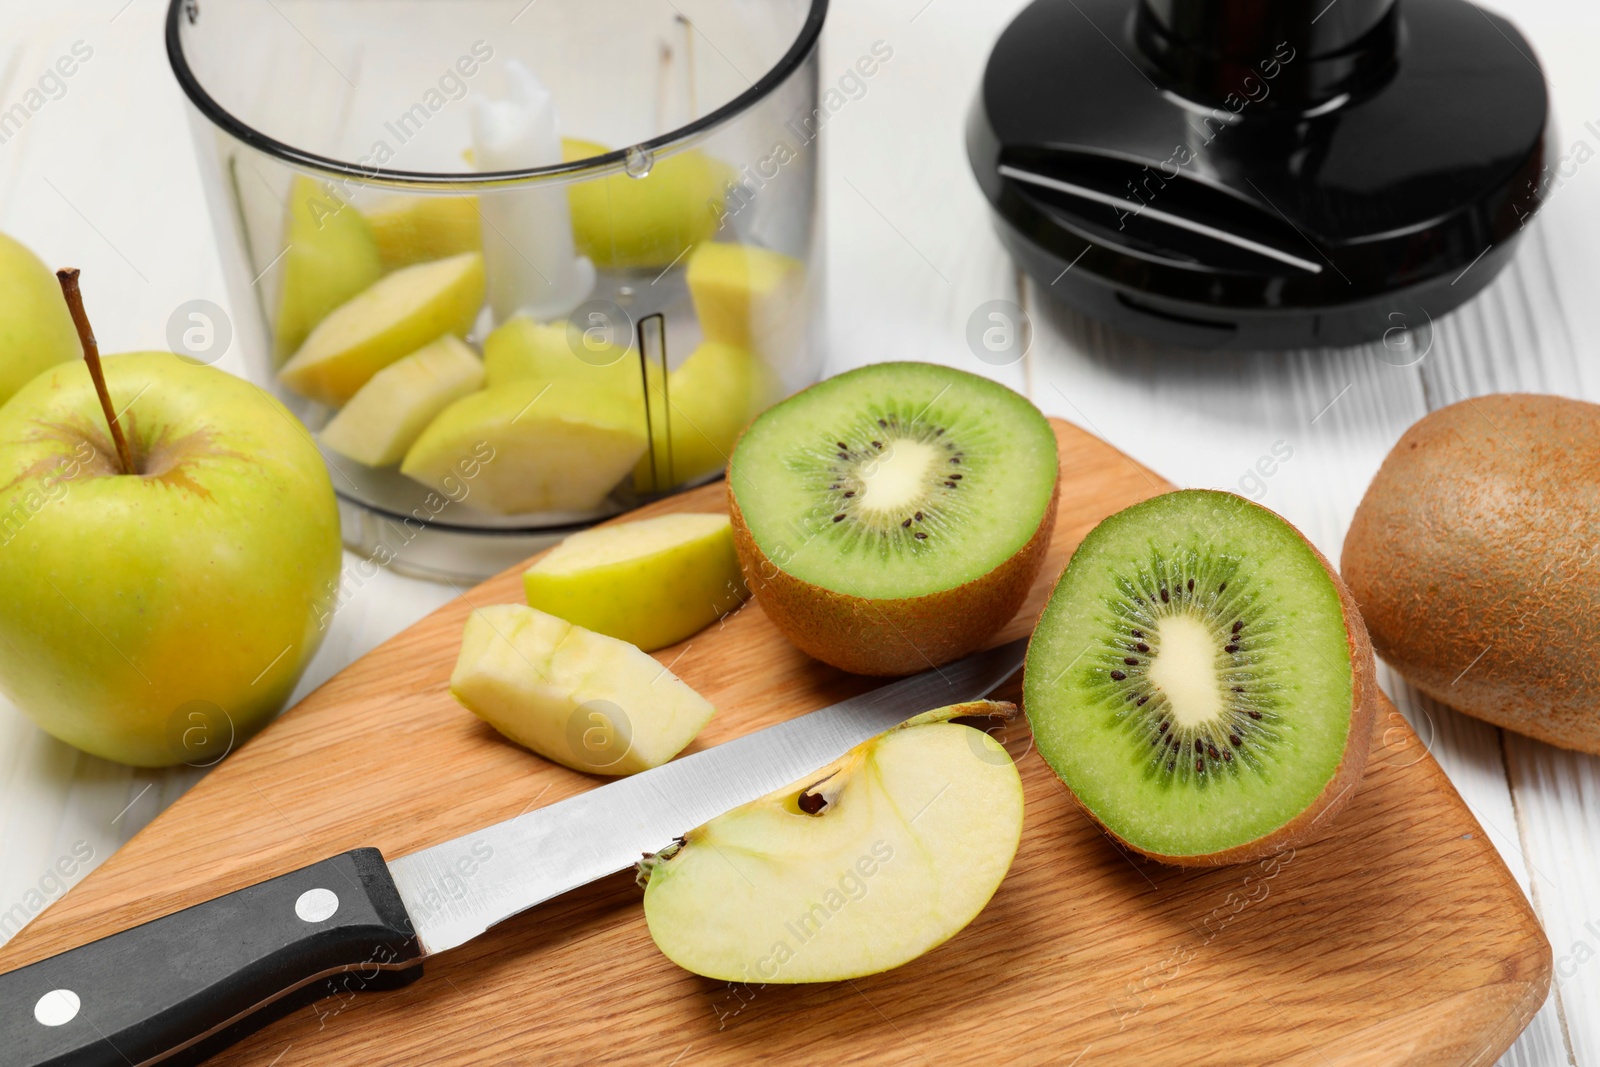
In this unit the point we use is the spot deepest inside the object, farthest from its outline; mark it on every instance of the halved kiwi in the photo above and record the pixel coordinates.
(893, 517)
(1202, 681)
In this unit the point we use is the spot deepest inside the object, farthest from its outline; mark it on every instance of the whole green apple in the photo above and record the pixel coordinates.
(164, 615)
(35, 328)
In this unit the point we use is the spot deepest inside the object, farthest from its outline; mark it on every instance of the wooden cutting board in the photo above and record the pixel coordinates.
(1398, 938)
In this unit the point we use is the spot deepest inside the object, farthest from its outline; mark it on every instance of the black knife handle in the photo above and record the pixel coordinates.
(176, 988)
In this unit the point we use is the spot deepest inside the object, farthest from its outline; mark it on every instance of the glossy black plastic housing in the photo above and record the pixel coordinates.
(1225, 173)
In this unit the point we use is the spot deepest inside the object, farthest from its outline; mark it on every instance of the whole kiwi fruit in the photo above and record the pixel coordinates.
(1475, 560)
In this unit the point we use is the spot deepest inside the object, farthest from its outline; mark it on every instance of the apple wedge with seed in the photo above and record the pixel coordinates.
(865, 865)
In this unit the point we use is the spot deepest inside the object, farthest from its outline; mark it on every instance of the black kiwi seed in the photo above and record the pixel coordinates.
(1117, 676)
(1130, 661)
(843, 445)
(920, 536)
(839, 517)
(1142, 647)
(906, 523)
(877, 444)
(850, 492)
(1191, 585)
(1237, 626)
(918, 516)
(1230, 648)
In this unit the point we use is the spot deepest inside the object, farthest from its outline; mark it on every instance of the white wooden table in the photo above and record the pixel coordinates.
(103, 176)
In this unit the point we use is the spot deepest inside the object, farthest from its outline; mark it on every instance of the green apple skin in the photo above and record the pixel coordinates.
(650, 582)
(36, 330)
(331, 256)
(131, 600)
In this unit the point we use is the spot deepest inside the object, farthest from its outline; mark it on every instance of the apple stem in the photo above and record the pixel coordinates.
(91, 356)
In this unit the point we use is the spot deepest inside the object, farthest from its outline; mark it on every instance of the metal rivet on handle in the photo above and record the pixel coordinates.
(57, 1007)
(315, 905)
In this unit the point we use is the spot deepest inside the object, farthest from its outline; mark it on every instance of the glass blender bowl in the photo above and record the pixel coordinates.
(518, 265)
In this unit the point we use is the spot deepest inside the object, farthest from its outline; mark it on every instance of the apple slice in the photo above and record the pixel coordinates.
(863, 866)
(510, 450)
(746, 296)
(520, 349)
(415, 229)
(583, 699)
(709, 400)
(622, 222)
(331, 256)
(387, 415)
(652, 582)
(396, 316)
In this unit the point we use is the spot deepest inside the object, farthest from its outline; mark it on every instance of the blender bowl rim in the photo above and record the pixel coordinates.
(802, 47)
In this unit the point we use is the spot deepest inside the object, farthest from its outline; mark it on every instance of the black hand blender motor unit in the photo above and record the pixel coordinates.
(1260, 173)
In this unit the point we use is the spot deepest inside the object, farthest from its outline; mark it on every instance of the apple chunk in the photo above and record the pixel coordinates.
(863, 866)
(515, 451)
(746, 296)
(583, 699)
(390, 320)
(415, 229)
(385, 418)
(652, 582)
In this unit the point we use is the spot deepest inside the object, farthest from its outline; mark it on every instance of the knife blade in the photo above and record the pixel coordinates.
(178, 988)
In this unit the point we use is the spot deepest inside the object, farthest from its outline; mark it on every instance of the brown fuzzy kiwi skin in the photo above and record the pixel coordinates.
(1321, 813)
(888, 638)
(1475, 560)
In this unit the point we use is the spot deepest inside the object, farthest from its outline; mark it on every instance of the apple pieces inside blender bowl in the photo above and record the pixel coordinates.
(747, 296)
(860, 867)
(651, 582)
(331, 256)
(416, 229)
(393, 318)
(707, 403)
(522, 449)
(621, 222)
(582, 699)
(387, 415)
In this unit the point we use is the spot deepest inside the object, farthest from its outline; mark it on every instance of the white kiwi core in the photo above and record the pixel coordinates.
(900, 478)
(1185, 669)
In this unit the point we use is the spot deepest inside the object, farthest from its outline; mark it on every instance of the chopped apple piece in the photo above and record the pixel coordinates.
(652, 582)
(331, 256)
(580, 698)
(511, 450)
(708, 402)
(520, 349)
(387, 415)
(863, 866)
(747, 296)
(415, 229)
(624, 222)
(396, 316)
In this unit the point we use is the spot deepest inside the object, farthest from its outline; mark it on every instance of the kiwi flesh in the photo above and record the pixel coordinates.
(893, 517)
(1201, 681)
(1474, 560)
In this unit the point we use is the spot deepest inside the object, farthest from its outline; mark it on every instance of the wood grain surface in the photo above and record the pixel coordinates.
(1400, 937)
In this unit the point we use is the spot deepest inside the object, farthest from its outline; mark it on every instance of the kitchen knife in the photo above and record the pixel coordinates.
(178, 988)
